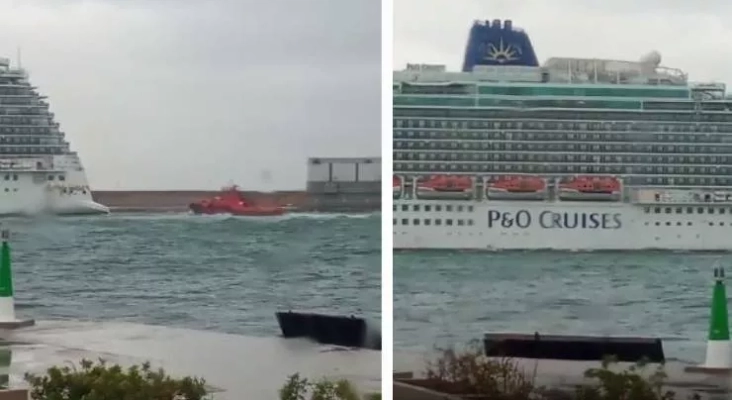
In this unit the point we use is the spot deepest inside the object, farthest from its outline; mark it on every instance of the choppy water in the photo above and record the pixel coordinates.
(444, 298)
(225, 274)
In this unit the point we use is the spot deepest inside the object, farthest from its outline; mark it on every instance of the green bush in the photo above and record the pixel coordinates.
(99, 381)
(297, 388)
(470, 373)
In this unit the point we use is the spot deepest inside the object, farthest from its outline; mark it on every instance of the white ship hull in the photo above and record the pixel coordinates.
(30, 192)
(574, 226)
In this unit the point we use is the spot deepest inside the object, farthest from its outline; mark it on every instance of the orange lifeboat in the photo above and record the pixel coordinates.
(231, 201)
(397, 187)
(445, 187)
(592, 188)
(517, 188)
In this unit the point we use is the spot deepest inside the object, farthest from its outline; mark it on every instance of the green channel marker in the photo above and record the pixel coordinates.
(6, 274)
(719, 356)
(719, 323)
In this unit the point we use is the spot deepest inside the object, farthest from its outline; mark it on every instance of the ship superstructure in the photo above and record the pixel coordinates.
(38, 171)
(576, 154)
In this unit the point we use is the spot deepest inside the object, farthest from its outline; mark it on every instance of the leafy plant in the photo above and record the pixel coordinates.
(631, 383)
(469, 372)
(297, 388)
(100, 381)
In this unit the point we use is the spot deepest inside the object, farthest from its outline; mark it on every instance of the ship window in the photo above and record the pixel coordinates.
(647, 210)
(678, 223)
(405, 207)
(7, 177)
(15, 177)
(394, 207)
(415, 207)
(438, 208)
(700, 210)
(459, 208)
(658, 223)
(427, 222)
(689, 210)
(688, 223)
(470, 209)
(405, 221)
(657, 210)
(722, 210)
(50, 177)
(668, 223)
(438, 221)
(394, 221)
(470, 222)
(448, 222)
(710, 210)
(711, 224)
(668, 210)
(427, 208)
(448, 208)
(679, 210)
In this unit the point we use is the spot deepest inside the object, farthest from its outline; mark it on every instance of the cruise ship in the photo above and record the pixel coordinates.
(573, 154)
(39, 174)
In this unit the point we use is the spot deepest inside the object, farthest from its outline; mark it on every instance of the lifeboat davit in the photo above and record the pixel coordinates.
(591, 188)
(397, 187)
(444, 187)
(231, 201)
(517, 188)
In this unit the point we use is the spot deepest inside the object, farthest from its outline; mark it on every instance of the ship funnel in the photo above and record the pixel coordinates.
(508, 24)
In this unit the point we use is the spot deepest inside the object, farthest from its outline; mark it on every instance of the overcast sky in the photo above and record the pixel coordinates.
(186, 94)
(695, 36)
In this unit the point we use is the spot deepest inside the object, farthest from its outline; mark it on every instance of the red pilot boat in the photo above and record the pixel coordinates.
(231, 201)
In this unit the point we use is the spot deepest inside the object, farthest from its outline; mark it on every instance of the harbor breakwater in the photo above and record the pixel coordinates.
(178, 200)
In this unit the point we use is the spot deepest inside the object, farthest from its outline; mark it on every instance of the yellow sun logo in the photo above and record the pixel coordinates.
(503, 53)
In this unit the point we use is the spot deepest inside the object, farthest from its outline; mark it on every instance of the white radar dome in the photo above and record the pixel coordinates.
(652, 58)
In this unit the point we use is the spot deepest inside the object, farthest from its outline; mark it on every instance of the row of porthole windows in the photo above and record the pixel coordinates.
(562, 125)
(552, 136)
(568, 156)
(433, 222)
(24, 111)
(19, 120)
(549, 146)
(687, 210)
(435, 207)
(555, 167)
(22, 101)
(461, 114)
(17, 92)
(28, 139)
(26, 130)
(470, 222)
(34, 150)
(688, 223)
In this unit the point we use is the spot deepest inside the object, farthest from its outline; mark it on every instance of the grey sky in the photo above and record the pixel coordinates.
(193, 94)
(694, 36)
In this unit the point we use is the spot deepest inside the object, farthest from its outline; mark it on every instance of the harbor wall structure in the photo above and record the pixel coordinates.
(333, 185)
(344, 184)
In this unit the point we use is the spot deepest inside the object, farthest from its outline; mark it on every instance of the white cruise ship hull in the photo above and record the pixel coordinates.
(32, 193)
(572, 226)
